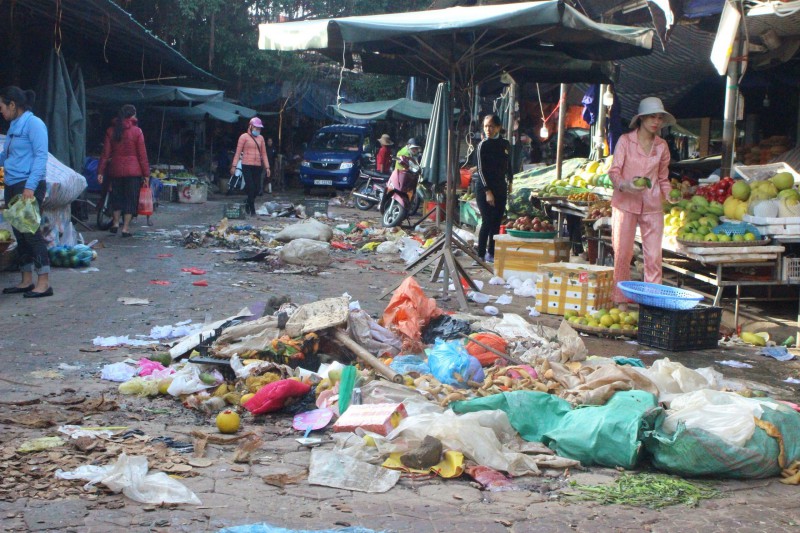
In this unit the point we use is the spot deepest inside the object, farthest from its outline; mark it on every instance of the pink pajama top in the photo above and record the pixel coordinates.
(631, 162)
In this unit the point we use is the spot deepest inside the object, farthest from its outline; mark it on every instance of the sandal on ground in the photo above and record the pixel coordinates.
(126, 234)
(113, 229)
(34, 294)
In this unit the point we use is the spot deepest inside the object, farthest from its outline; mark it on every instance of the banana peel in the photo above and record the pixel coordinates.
(755, 339)
(791, 475)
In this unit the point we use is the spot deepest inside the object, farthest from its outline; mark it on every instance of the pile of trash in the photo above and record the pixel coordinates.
(422, 391)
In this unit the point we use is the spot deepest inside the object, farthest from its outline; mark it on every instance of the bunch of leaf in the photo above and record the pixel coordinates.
(653, 491)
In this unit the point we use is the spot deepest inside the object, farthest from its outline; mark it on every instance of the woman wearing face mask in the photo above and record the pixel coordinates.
(640, 153)
(252, 150)
(24, 157)
(493, 156)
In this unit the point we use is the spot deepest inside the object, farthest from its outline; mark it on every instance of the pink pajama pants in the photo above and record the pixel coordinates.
(623, 234)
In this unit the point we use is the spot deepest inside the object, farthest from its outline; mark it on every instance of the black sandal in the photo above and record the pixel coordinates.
(126, 234)
(113, 229)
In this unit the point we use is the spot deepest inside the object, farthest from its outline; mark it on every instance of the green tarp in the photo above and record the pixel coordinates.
(140, 93)
(608, 435)
(548, 41)
(399, 109)
(218, 110)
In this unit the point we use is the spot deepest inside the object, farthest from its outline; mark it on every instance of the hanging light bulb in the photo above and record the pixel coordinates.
(765, 103)
(544, 133)
(608, 97)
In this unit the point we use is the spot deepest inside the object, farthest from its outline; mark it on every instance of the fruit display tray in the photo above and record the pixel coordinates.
(531, 234)
(604, 332)
(712, 244)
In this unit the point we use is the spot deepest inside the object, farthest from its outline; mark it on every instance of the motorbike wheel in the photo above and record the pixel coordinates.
(361, 203)
(105, 216)
(394, 214)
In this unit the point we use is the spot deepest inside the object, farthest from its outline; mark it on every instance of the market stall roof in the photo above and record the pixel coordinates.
(216, 109)
(103, 31)
(400, 109)
(140, 93)
(548, 41)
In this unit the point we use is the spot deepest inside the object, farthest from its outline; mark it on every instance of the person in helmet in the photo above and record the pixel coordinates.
(410, 150)
(251, 150)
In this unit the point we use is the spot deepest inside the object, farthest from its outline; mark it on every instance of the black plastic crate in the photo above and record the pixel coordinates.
(315, 205)
(679, 331)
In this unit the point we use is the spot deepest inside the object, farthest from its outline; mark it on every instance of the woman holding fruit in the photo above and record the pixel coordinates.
(641, 184)
(24, 158)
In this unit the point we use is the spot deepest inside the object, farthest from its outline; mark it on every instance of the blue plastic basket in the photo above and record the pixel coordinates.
(659, 295)
(736, 228)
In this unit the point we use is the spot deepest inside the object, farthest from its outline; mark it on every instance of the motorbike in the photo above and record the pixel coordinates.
(401, 199)
(369, 189)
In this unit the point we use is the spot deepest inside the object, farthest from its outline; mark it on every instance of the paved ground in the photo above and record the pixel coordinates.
(50, 376)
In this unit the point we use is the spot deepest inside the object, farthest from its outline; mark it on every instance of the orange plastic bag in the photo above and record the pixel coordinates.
(483, 355)
(145, 201)
(410, 310)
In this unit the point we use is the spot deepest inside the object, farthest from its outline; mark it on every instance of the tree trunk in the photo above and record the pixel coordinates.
(211, 41)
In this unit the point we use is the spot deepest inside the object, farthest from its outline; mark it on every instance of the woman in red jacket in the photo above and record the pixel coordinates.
(125, 155)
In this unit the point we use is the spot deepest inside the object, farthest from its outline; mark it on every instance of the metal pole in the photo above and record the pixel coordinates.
(600, 132)
(562, 119)
(160, 137)
(450, 196)
(731, 108)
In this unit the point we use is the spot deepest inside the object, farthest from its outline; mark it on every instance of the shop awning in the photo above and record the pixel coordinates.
(399, 109)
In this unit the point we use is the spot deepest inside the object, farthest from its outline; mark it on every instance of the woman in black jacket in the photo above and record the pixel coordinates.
(494, 186)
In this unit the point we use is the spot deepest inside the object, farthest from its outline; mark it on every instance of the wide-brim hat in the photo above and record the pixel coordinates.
(651, 106)
(385, 140)
(256, 122)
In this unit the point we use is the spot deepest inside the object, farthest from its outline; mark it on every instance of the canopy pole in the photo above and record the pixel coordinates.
(731, 108)
(562, 119)
(161, 136)
(600, 133)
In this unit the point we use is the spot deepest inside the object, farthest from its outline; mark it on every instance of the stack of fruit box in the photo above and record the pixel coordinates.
(561, 287)
(520, 257)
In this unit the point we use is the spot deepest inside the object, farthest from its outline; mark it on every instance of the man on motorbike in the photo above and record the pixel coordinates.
(410, 150)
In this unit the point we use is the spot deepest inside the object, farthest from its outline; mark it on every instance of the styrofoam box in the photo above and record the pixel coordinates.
(762, 172)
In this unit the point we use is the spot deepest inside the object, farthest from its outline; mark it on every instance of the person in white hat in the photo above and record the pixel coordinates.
(639, 154)
(252, 151)
(383, 161)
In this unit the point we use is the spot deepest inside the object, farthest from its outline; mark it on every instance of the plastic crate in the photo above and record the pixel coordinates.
(234, 211)
(791, 270)
(679, 330)
(315, 205)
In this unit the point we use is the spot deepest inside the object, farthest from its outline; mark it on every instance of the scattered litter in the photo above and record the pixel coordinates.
(124, 300)
(532, 311)
(159, 282)
(68, 368)
(491, 310)
(107, 342)
(118, 372)
(181, 329)
(90, 269)
(46, 374)
(478, 297)
(793, 381)
(649, 352)
(334, 469)
(497, 280)
(200, 283)
(194, 271)
(76, 432)
(42, 443)
(734, 364)
(504, 299)
(163, 256)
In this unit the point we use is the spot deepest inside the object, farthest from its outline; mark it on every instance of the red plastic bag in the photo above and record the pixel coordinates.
(483, 355)
(409, 310)
(201, 283)
(273, 396)
(145, 201)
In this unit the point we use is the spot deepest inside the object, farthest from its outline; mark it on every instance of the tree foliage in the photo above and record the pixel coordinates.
(221, 36)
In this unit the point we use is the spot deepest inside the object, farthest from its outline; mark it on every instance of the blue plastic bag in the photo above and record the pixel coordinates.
(451, 364)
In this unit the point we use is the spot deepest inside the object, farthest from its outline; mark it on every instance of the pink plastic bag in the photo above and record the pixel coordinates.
(273, 396)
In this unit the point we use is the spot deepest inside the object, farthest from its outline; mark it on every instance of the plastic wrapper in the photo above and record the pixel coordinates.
(187, 381)
(309, 229)
(725, 414)
(572, 346)
(404, 364)
(273, 397)
(140, 387)
(451, 364)
(118, 372)
(484, 356)
(445, 327)
(78, 255)
(129, 476)
(672, 378)
(333, 469)
(371, 335)
(57, 227)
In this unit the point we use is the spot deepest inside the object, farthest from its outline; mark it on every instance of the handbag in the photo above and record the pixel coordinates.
(145, 201)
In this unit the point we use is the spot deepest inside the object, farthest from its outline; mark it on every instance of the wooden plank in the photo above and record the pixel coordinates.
(732, 250)
(750, 258)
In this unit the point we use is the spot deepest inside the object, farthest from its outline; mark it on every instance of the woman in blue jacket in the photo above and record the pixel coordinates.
(24, 157)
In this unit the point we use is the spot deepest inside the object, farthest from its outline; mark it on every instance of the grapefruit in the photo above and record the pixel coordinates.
(228, 421)
(783, 181)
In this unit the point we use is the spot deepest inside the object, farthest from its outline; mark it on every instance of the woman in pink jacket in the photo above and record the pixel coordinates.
(126, 158)
(640, 153)
(253, 153)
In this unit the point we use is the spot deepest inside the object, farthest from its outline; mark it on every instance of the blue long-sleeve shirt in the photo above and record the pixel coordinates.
(24, 154)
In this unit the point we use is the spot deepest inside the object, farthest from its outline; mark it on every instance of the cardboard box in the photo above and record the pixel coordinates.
(569, 286)
(518, 257)
(380, 418)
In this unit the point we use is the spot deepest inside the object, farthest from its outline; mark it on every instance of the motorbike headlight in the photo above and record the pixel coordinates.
(346, 165)
(305, 163)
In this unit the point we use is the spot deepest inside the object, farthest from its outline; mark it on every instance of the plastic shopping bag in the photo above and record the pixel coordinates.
(145, 201)
(23, 214)
(451, 364)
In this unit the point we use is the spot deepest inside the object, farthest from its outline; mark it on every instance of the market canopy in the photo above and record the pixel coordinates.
(543, 41)
(399, 109)
(218, 110)
(139, 93)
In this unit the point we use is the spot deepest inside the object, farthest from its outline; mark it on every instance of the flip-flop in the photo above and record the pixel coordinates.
(126, 234)
(113, 229)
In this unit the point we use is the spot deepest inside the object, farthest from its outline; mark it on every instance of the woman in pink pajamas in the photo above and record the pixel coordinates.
(640, 153)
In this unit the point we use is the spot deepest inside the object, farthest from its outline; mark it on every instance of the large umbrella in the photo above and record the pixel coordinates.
(399, 109)
(545, 41)
(434, 158)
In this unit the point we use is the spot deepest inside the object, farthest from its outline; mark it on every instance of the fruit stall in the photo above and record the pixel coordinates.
(179, 185)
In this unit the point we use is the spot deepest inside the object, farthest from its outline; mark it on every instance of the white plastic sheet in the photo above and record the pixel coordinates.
(333, 469)
(310, 228)
(306, 252)
(129, 476)
(673, 378)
